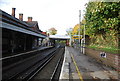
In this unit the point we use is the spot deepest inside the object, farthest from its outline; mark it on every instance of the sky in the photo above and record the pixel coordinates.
(60, 14)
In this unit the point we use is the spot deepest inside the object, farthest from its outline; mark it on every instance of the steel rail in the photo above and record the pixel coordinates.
(18, 75)
(55, 70)
(52, 56)
(19, 61)
(39, 67)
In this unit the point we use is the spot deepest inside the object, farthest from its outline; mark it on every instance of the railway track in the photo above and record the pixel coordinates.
(57, 70)
(14, 58)
(52, 69)
(28, 67)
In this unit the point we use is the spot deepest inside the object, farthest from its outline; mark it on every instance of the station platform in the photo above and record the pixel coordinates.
(80, 67)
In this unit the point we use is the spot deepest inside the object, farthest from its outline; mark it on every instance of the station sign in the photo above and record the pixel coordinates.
(77, 36)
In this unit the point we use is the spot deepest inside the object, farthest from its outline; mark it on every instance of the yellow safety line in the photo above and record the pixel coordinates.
(79, 74)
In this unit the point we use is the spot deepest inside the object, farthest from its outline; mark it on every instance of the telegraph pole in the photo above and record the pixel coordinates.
(79, 25)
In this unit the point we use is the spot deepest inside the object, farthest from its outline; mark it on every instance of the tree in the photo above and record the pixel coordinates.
(75, 29)
(52, 31)
(101, 17)
(102, 22)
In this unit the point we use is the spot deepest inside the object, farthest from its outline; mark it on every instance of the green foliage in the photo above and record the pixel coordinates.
(102, 23)
(101, 17)
(106, 49)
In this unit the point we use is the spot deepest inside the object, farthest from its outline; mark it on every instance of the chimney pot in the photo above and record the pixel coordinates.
(21, 16)
(29, 19)
(13, 12)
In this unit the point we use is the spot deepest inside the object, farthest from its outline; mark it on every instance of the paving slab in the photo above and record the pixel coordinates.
(88, 67)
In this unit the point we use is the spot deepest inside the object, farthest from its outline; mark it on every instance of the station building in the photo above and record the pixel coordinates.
(18, 35)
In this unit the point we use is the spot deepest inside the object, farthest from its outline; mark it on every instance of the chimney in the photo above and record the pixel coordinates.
(21, 16)
(29, 19)
(13, 12)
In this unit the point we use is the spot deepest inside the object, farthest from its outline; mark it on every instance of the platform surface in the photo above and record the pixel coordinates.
(82, 67)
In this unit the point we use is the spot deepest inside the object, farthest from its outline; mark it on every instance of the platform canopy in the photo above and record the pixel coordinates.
(59, 37)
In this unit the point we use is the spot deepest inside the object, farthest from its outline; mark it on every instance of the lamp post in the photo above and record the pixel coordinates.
(84, 41)
(79, 25)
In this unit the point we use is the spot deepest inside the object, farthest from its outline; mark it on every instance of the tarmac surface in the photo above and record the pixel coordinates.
(83, 67)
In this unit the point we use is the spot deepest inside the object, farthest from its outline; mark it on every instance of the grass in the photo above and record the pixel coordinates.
(105, 48)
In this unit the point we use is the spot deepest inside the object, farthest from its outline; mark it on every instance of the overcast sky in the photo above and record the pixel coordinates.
(61, 14)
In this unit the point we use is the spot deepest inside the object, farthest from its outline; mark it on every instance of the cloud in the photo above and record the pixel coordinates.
(4, 2)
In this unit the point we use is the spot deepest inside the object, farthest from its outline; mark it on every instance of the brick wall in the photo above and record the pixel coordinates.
(112, 60)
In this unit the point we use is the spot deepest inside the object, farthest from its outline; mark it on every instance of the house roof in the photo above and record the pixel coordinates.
(32, 23)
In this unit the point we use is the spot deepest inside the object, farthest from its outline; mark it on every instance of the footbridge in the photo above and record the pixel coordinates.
(60, 38)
